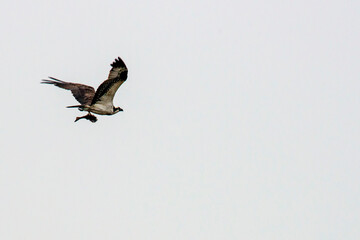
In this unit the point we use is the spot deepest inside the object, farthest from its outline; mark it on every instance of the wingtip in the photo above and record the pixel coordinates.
(51, 81)
(118, 62)
(55, 79)
(46, 81)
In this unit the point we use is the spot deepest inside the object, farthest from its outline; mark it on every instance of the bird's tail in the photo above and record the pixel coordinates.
(75, 106)
(80, 107)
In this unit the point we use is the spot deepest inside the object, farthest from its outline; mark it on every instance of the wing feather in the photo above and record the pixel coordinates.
(118, 68)
(82, 93)
(117, 76)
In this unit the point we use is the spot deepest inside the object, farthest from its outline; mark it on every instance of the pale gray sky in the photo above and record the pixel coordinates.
(241, 120)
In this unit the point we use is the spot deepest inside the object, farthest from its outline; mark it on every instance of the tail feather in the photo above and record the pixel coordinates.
(76, 106)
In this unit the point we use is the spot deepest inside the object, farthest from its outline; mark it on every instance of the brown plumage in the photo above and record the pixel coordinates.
(82, 93)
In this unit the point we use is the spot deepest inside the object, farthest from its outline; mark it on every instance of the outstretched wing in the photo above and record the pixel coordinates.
(83, 93)
(106, 91)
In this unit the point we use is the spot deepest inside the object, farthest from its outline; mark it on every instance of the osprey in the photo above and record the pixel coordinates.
(101, 101)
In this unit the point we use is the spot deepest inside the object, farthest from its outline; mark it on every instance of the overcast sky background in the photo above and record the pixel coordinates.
(241, 120)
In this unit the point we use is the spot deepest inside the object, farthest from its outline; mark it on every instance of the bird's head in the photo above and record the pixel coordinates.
(117, 109)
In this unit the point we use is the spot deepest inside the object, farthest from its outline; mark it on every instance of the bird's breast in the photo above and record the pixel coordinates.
(102, 109)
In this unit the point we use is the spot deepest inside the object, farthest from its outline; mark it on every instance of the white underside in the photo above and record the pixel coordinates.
(101, 109)
(104, 106)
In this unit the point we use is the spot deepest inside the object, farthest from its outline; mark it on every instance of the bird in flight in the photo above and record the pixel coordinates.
(99, 101)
